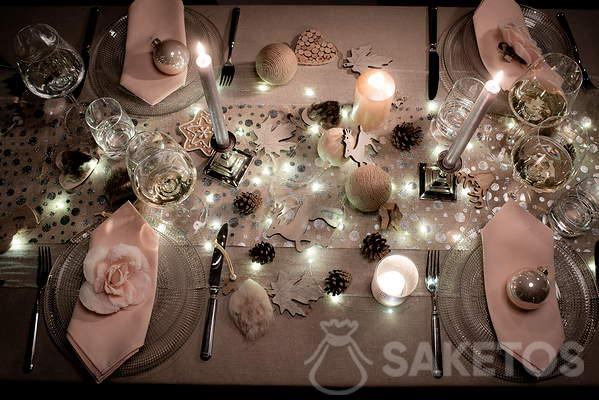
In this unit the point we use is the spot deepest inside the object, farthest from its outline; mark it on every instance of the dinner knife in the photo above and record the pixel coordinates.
(90, 31)
(597, 262)
(216, 267)
(433, 56)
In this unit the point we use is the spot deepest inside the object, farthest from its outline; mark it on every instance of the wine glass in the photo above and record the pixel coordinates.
(51, 68)
(163, 178)
(546, 160)
(546, 90)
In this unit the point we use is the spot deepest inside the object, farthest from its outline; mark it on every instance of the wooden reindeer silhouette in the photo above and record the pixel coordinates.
(295, 231)
(359, 152)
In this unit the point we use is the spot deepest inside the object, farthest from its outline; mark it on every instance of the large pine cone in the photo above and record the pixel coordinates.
(247, 202)
(337, 282)
(262, 253)
(327, 114)
(406, 136)
(375, 247)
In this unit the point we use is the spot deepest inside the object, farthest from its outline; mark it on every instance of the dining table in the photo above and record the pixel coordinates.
(279, 359)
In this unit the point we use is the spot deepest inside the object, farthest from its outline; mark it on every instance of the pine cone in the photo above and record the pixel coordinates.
(406, 136)
(262, 253)
(337, 282)
(375, 247)
(327, 114)
(247, 202)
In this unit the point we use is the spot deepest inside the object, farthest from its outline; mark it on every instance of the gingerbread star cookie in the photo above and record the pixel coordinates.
(198, 133)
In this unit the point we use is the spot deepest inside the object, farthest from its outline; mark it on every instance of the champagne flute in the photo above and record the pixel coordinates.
(547, 90)
(51, 68)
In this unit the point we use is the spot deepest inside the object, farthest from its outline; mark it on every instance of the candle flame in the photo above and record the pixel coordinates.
(498, 77)
(200, 49)
(203, 60)
(494, 85)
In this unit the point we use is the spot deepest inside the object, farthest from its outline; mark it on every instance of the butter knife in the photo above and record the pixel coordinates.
(433, 56)
(216, 267)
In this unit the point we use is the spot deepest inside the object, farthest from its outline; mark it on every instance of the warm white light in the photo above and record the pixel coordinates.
(268, 221)
(392, 283)
(203, 60)
(262, 87)
(60, 204)
(215, 224)
(256, 266)
(424, 228)
(195, 109)
(256, 180)
(17, 242)
(313, 129)
(207, 245)
(344, 113)
(586, 122)
(210, 198)
(376, 80)
(335, 299)
(316, 186)
(389, 311)
(309, 92)
(469, 146)
(161, 228)
(287, 167)
(432, 106)
(494, 85)
(266, 171)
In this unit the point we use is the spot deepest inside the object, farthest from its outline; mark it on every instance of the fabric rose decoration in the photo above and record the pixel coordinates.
(115, 278)
(518, 37)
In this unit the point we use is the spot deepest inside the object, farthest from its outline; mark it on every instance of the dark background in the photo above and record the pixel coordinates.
(593, 4)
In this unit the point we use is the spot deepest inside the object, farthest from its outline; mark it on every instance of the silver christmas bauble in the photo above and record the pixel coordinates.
(530, 288)
(170, 56)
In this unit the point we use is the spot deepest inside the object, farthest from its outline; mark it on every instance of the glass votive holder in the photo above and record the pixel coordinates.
(395, 278)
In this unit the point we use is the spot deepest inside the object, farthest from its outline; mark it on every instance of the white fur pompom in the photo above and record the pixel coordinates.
(251, 310)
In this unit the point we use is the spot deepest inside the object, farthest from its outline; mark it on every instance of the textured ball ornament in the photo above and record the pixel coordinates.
(170, 56)
(276, 64)
(368, 188)
(330, 146)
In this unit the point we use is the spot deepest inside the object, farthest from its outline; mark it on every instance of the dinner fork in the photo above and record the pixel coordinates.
(432, 284)
(44, 264)
(228, 71)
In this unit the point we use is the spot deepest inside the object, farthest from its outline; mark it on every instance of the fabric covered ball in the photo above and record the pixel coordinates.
(368, 188)
(330, 146)
(276, 64)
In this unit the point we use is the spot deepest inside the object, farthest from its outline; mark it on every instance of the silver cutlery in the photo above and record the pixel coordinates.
(228, 71)
(433, 56)
(216, 267)
(587, 83)
(432, 284)
(44, 264)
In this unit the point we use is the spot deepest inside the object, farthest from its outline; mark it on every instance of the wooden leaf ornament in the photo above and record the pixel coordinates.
(362, 58)
(272, 138)
(290, 292)
(390, 216)
(75, 167)
(357, 148)
(198, 133)
(313, 49)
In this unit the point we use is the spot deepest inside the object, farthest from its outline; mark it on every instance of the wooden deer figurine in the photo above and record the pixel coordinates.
(359, 152)
(295, 231)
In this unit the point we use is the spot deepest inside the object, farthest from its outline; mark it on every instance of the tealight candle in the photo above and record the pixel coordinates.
(373, 96)
(395, 278)
(204, 63)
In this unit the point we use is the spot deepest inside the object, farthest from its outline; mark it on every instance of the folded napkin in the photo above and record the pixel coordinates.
(105, 342)
(497, 21)
(512, 241)
(148, 20)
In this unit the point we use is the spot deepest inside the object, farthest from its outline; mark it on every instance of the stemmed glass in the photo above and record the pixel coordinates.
(163, 178)
(546, 160)
(546, 91)
(51, 68)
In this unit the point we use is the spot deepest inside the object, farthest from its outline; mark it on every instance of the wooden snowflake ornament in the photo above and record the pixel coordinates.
(357, 149)
(198, 133)
(362, 58)
(272, 138)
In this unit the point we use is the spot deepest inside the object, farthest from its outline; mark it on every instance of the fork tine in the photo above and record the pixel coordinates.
(437, 264)
(231, 78)
(428, 263)
(222, 78)
(49, 266)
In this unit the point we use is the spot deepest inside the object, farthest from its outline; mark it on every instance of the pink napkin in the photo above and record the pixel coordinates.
(105, 342)
(148, 20)
(512, 241)
(498, 21)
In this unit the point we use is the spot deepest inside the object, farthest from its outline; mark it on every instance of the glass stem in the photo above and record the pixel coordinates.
(73, 100)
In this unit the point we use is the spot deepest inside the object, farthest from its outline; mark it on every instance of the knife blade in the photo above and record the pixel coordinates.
(597, 262)
(433, 56)
(216, 267)
(87, 44)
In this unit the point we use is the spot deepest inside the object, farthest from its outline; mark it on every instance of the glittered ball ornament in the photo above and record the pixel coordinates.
(276, 64)
(331, 148)
(170, 56)
(368, 188)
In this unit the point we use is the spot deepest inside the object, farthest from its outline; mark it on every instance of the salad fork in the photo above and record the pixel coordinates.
(44, 264)
(432, 284)
(228, 71)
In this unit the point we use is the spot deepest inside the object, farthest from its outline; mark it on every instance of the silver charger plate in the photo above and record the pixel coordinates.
(108, 56)
(459, 56)
(181, 298)
(466, 320)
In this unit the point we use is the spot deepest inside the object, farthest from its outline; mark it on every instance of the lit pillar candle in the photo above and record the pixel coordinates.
(204, 63)
(395, 278)
(479, 110)
(373, 97)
